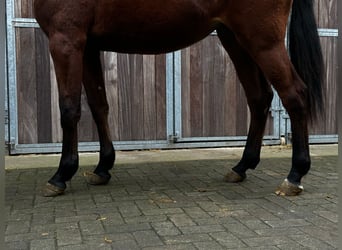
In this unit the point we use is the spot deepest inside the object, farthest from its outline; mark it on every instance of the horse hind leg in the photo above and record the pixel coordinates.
(94, 86)
(259, 97)
(273, 60)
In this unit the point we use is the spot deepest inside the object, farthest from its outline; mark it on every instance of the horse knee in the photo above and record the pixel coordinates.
(70, 113)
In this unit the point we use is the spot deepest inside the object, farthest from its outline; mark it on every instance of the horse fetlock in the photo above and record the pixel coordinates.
(300, 167)
(67, 168)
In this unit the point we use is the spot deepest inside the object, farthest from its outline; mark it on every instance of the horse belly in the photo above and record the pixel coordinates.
(148, 28)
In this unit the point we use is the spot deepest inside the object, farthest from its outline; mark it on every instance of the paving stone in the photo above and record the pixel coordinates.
(181, 220)
(212, 245)
(127, 244)
(266, 241)
(311, 242)
(186, 238)
(16, 245)
(146, 218)
(17, 227)
(228, 240)
(172, 247)
(240, 230)
(147, 238)
(156, 200)
(165, 228)
(288, 223)
(201, 229)
(127, 228)
(91, 227)
(69, 235)
(196, 213)
(48, 244)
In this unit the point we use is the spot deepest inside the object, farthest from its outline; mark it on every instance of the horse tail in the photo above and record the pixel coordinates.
(306, 54)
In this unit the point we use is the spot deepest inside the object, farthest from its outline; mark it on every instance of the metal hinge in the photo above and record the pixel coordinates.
(6, 117)
(174, 137)
(10, 144)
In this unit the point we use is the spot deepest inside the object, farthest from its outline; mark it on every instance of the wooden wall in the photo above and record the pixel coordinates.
(213, 102)
(135, 91)
(326, 13)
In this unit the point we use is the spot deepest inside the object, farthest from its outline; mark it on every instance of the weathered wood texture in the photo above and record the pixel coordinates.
(213, 101)
(135, 91)
(327, 124)
(326, 13)
(34, 96)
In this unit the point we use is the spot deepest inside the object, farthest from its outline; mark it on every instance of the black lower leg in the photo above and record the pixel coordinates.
(106, 163)
(67, 169)
(301, 164)
(249, 161)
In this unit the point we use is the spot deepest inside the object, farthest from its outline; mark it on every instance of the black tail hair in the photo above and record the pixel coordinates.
(306, 54)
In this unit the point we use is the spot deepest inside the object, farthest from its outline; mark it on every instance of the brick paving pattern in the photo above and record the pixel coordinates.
(176, 204)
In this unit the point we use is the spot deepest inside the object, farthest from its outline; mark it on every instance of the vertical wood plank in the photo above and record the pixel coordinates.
(125, 106)
(149, 81)
(196, 92)
(328, 125)
(23, 8)
(327, 14)
(160, 89)
(26, 86)
(136, 97)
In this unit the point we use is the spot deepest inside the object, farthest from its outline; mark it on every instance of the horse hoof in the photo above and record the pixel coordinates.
(94, 179)
(51, 190)
(289, 189)
(233, 177)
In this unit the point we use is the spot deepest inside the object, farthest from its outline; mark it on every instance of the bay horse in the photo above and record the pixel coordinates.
(252, 32)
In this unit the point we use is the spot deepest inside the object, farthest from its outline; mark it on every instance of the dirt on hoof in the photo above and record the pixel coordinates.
(233, 177)
(51, 190)
(289, 189)
(94, 179)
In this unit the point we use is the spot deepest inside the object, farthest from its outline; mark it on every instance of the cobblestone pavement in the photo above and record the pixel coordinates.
(173, 200)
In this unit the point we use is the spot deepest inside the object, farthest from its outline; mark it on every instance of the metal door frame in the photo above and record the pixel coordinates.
(11, 137)
(173, 137)
(313, 139)
(277, 111)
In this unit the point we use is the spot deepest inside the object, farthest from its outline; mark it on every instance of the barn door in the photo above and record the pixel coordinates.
(138, 92)
(210, 103)
(325, 129)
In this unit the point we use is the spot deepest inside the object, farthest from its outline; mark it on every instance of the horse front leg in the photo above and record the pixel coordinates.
(96, 94)
(67, 55)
